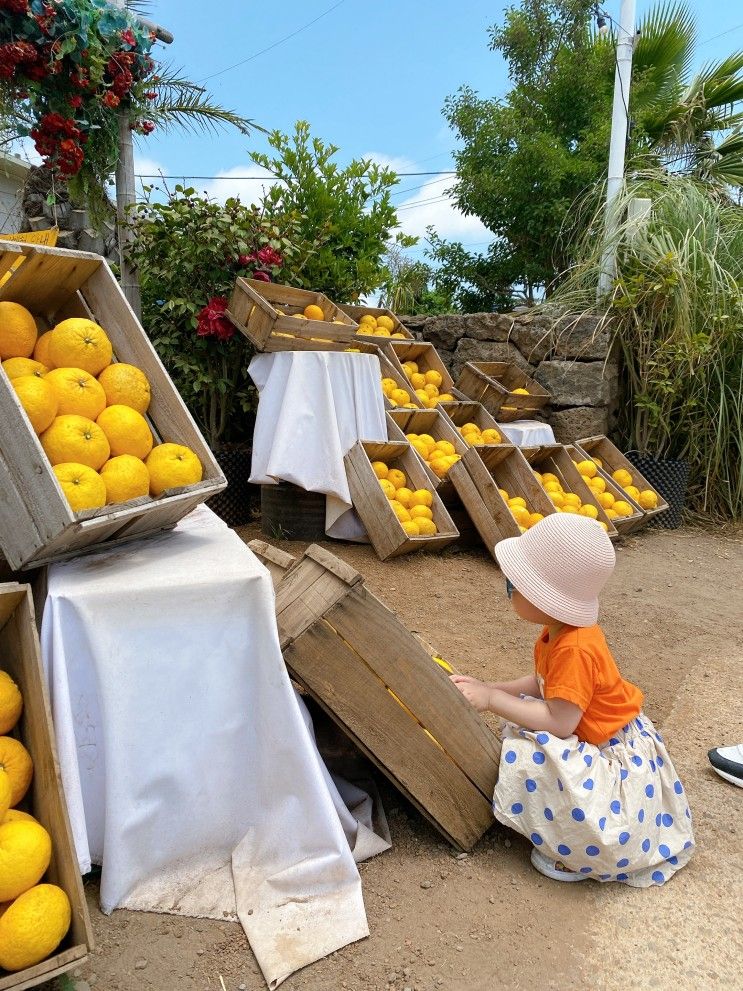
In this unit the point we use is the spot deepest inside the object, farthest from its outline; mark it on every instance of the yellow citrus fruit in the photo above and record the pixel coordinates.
(41, 350)
(38, 400)
(398, 335)
(632, 491)
(126, 385)
(403, 496)
(605, 500)
(422, 395)
(558, 499)
(445, 397)
(589, 510)
(400, 512)
(11, 703)
(421, 447)
(80, 343)
(468, 428)
(33, 926)
(388, 385)
(411, 437)
(387, 487)
(598, 484)
(15, 815)
(409, 367)
(611, 513)
(417, 380)
(382, 332)
(586, 479)
(552, 486)
(491, 436)
(18, 331)
(125, 478)
(399, 396)
(547, 476)
(410, 527)
(622, 477)
(172, 466)
(569, 508)
(314, 312)
(384, 321)
(520, 514)
(598, 462)
(427, 528)
(77, 392)
(126, 430)
(368, 318)
(420, 512)
(445, 446)
(587, 468)
(25, 852)
(517, 501)
(82, 486)
(397, 478)
(434, 378)
(380, 469)
(520, 392)
(16, 761)
(622, 508)
(421, 497)
(14, 368)
(77, 439)
(6, 793)
(476, 440)
(648, 499)
(504, 495)
(430, 390)
(534, 518)
(571, 499)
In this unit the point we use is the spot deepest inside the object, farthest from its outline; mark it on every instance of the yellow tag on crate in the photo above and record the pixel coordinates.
(47, 238)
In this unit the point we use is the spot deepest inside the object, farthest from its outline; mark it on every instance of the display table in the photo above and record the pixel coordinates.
(187, 759)
(314, 406)
(528, 433)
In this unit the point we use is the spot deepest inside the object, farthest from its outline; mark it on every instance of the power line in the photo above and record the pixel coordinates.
(266, 178)
(276, 44)
(720, 35)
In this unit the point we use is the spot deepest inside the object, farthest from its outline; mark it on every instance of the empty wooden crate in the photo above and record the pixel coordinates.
(380, 684)
(612, 460)
(492, 383)
(36, 522)
(19, 657)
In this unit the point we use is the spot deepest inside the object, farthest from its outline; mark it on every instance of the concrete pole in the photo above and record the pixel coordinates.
(618, 144)
(126, 195)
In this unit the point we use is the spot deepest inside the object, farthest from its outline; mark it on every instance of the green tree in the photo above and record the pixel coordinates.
(411, 286)
(344, 215)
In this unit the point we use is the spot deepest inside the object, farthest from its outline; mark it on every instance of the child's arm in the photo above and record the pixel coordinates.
(528, 685)
(556, 716)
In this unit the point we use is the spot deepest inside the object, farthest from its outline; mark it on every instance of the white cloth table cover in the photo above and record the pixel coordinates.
(314, 406)
(528, 433)
(187, 759)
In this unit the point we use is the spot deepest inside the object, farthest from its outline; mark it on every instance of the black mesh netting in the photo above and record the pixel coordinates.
(670, 478)
(233, 505)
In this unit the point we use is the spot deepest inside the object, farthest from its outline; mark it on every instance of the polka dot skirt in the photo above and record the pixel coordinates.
(616, 812)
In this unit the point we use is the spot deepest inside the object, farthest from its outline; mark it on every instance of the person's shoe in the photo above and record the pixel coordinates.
(728, 763)
(554, 868)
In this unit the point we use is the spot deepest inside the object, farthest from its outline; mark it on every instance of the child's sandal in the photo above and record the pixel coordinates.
(554, 868)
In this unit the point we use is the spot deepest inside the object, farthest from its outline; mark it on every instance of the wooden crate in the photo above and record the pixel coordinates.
(392, 370)
(438, 426)
(424, 355)
(276, 561)
(379, 684)
(628, 522)
(492, 383)
(384, 529)
(556, 459)
(357, 312)
(262, 311)
(468, 411)
(36, 522)
(613, 459)
(477, 487)
(20, 657)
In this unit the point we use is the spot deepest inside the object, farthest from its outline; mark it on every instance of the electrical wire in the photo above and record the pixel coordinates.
(265, 178)
(720, 35)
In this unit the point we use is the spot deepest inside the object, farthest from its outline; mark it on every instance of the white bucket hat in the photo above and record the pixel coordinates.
(560, 565)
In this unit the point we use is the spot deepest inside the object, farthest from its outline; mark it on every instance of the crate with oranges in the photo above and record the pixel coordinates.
(478, 429)
(395, 499)
(376, 322)
(503, 389)
(436, 443)
(426, 374)
(93, 426)
(570, 487)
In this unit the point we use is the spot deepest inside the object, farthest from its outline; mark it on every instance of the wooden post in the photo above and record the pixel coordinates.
(125, 197)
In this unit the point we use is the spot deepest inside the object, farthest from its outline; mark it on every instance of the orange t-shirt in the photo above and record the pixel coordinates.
(577, 666)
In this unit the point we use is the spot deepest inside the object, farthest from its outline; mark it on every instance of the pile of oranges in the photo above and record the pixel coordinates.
(381, 326)
(477, 437)
(439, 455)
(412, 507)
(426, 385)
(617, 508)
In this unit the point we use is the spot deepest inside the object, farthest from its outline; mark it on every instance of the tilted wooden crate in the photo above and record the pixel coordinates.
(379, 683)
(426, 358)
(373, 508)
(20, 658)
(469, 411)
(36, 522)
(391, 370)
(274, 560)
(492, 383)
(436, 425)
(555, 458)
(613, 459)
(262, 311)
(357, 312)
(626, 523)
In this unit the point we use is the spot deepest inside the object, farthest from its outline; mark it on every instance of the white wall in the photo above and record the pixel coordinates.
(11, 213)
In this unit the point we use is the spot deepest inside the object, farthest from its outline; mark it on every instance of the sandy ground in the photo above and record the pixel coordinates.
(674, 616)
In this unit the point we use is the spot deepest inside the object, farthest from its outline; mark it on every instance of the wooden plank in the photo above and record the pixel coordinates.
(45, 971)
(333, 564)
(307, 592)
(46, 279)
(476, 508)
(273, 559)
(361, 705)
(20, 657)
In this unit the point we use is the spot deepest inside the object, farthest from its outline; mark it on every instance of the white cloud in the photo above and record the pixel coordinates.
(241, 181)
(431, 207)
(397, 163)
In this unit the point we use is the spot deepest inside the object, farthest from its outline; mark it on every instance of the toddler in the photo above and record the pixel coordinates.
(583, 773)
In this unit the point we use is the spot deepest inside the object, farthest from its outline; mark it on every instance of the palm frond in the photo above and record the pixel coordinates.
(181, 103)
(724, 163)
(665, 48)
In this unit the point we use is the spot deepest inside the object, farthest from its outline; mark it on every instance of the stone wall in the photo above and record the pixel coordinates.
(570, 357)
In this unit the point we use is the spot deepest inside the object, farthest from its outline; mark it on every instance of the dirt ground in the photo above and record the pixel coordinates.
(674, 615)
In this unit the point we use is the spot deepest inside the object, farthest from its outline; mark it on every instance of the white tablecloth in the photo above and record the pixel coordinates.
(528, 433)
(187, 759)
(314, 406)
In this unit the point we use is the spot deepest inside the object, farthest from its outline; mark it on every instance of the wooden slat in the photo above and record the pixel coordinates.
(476, 507)
(273, 559)
(423, 354)
(47, 279)
(45, 971)
(333, 564)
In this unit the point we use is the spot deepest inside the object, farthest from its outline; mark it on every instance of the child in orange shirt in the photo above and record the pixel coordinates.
(583, 773)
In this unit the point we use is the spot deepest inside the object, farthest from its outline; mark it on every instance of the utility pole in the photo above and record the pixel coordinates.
(618, 144)
(126, 192)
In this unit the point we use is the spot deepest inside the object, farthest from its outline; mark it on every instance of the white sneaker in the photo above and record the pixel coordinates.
(728, 763)
(554, 868)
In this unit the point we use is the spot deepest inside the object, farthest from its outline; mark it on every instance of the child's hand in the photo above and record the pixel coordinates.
(477, 693)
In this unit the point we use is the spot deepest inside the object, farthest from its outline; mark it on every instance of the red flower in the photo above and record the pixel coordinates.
(245, 260)
(111, 100)
(212, 322)
(268, 256)
(262, 276)
(75, 101)
(15, 6)
(128, 37)
(147, 127)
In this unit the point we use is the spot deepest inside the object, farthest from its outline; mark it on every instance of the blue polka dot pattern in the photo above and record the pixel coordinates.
(517, 808)
(616, 807)
(560, 785)
(538, 757)
(652, 765)
(623, 773)
(549, 815)
(602, 823)
(624, 837)
(530, 785)
(637, 760)
(687, 844)
(578, 814)
(623, 862)
(664, 850)
(658, 876)
(588, 759)
(659, 761)
(510, 757)
(592, 851)
(613, 742)
(641, 815)
(586, 870)
(658, 820)
(678, 787)
(673, 860)
(565, 754)
(645, 846)
(622, 877)
(588, 784)
(536, 839)
(543, 738)
(649, 791)
(563, 850)
(667, 819)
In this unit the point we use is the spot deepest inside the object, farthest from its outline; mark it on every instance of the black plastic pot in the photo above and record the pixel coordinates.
(233, 505)
(670, 478)
(291, 513)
